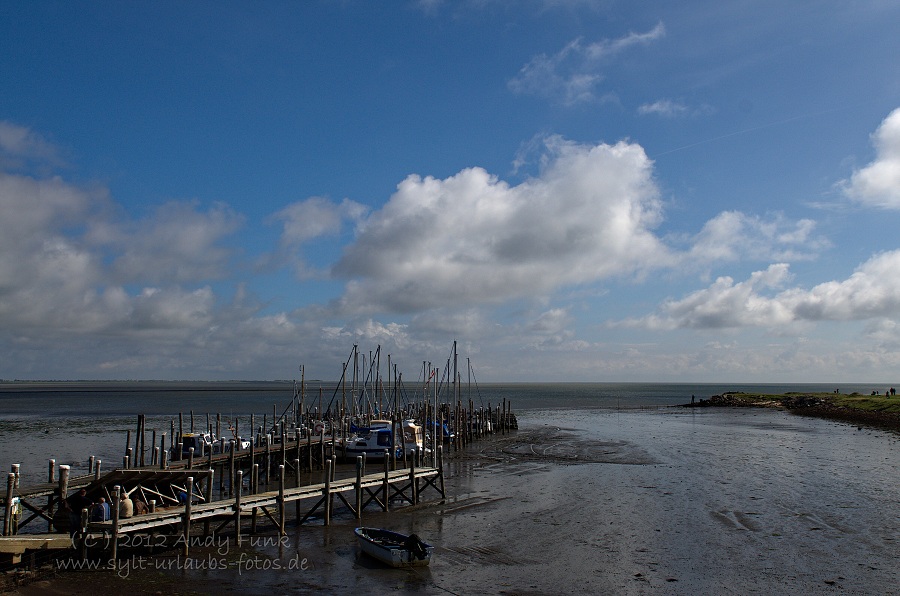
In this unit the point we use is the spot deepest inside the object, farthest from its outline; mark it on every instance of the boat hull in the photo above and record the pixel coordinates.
(393, 548)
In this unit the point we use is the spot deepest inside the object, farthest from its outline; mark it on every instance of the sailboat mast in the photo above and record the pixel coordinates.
(455, 373)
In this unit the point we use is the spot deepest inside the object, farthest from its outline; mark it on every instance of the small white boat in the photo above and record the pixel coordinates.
(393, 548)
(378, 437)
(372, 440)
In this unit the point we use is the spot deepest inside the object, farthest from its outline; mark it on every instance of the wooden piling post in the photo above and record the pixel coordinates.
(139, 440)
(63, 483)
(414, 484)
(254, 487)
(186, 521)
(237, 506)
(359, 495)
(97, 469)
(440, 467)
(136, 450)
(83, 533)
(267, 457)
(327, 491)
(386, 485)
(117, 496)
(222, 474)
(190, 458)
(209, 497)
(232, 464)
(322, 444)
(281, 503)
(297, 485)
(51, 472)
(7, 515)
(252, 447)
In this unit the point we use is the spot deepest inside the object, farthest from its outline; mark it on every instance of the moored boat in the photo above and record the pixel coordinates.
(378, 437)
(393, 548)
(372, 440)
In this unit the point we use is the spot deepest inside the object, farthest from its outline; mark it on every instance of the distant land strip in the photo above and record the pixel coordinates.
(881, 411)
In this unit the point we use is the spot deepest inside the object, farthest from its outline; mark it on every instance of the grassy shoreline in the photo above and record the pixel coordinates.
(870, 410)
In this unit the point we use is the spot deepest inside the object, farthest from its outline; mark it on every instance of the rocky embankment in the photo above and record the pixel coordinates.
(805, 405)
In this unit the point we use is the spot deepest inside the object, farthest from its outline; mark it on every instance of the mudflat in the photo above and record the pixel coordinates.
(591, 502)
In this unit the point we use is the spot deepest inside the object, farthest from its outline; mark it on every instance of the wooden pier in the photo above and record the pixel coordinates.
(312, 501)
(178, 484)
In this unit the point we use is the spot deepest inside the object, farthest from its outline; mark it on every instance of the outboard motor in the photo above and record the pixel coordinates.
(416, 547)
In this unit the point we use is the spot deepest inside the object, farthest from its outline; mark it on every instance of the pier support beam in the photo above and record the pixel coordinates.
(297, 481)
(281, 501)
(8, 516)
(237, 506)
(386, 485)
(117, 497)
(186, 523)
(359, 495)
(327, 492)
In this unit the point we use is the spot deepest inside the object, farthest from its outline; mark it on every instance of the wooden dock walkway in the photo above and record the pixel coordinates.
(38, 500)
(381, 488)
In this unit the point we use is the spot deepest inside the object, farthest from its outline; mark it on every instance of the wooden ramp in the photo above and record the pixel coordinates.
(15, 546)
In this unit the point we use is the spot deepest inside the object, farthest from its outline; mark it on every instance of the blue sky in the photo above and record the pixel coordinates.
(573, 190)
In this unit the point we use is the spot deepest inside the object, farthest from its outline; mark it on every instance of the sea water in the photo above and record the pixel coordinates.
(70, 422)
(604, 489)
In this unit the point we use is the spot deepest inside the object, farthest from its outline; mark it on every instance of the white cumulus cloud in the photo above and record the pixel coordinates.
(471, 238)
(878, 184)
(734, 236)
(20, 145)
(872, 292)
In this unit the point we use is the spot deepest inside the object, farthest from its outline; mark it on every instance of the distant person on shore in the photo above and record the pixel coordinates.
(126, 506)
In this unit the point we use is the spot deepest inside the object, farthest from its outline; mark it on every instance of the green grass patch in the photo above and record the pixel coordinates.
(871, 403)
(855, 401)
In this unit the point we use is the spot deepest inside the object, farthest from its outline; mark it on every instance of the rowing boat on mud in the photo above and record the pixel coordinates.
(393, 548)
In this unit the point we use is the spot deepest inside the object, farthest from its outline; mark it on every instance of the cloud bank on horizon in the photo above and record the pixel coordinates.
(565, 258)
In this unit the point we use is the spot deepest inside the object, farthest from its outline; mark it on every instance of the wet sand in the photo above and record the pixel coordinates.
(593, 502)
